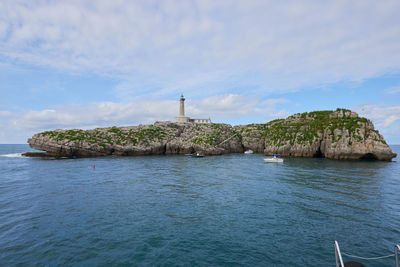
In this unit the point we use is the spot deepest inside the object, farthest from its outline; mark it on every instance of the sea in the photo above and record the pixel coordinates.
(175, 210)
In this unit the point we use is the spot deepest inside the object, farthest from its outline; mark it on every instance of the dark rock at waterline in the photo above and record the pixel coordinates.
(339, 134)
(37, 155)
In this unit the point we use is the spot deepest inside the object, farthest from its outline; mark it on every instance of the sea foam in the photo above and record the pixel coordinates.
(13, 155)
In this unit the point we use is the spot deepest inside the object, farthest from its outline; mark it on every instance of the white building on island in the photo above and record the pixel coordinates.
(182, 118)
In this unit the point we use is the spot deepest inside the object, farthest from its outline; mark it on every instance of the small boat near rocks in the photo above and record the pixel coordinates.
(249, 151)
(275, 158)
(195, 155)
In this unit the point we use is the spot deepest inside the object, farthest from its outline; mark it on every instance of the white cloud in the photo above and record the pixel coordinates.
(99, 114)
(160, 47)
(383, 116)
(108, 113)
(393, 90)
(20, 126)
(4, 113)
(105, 114)
(232, 106)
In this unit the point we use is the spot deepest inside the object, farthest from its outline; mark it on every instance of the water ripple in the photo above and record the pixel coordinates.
(175, 210)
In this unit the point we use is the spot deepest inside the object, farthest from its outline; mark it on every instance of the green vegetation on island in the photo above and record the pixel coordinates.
(111, 136)
(339, 134)
(305, 128)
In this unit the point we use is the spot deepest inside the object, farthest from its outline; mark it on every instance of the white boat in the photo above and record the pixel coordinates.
(249, 151)
(275, 158)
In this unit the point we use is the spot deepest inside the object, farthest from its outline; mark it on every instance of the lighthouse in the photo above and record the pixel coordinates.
(181, 117)
(182, 107)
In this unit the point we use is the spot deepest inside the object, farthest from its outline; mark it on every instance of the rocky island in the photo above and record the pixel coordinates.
(339, 134)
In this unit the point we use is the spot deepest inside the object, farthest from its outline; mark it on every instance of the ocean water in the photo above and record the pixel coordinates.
(179, 211)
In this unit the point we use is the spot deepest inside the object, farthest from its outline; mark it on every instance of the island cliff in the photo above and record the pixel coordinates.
(339, 134)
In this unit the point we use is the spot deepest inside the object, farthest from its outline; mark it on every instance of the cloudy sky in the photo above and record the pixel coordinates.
(85, 64)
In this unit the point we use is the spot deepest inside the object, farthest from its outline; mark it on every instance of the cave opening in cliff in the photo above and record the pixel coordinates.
(318, 154)
(369, 156)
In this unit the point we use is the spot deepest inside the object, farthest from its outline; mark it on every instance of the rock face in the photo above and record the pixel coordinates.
(339, 134)
(160, 138)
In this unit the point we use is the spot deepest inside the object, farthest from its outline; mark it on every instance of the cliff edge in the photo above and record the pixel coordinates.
(339, 134)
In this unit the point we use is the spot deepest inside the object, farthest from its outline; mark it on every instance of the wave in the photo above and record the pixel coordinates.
(13, 155)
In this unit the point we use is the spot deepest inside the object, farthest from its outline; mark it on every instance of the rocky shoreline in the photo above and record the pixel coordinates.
(339, 134)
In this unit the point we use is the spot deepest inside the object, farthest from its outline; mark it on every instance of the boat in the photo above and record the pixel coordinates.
(341, 263)
(249, 151)
(275, 158)
(195, 155)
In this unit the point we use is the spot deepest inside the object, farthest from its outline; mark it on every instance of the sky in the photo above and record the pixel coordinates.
(86, 64)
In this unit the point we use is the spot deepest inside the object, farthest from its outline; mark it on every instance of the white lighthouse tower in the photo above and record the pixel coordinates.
(181, 117)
